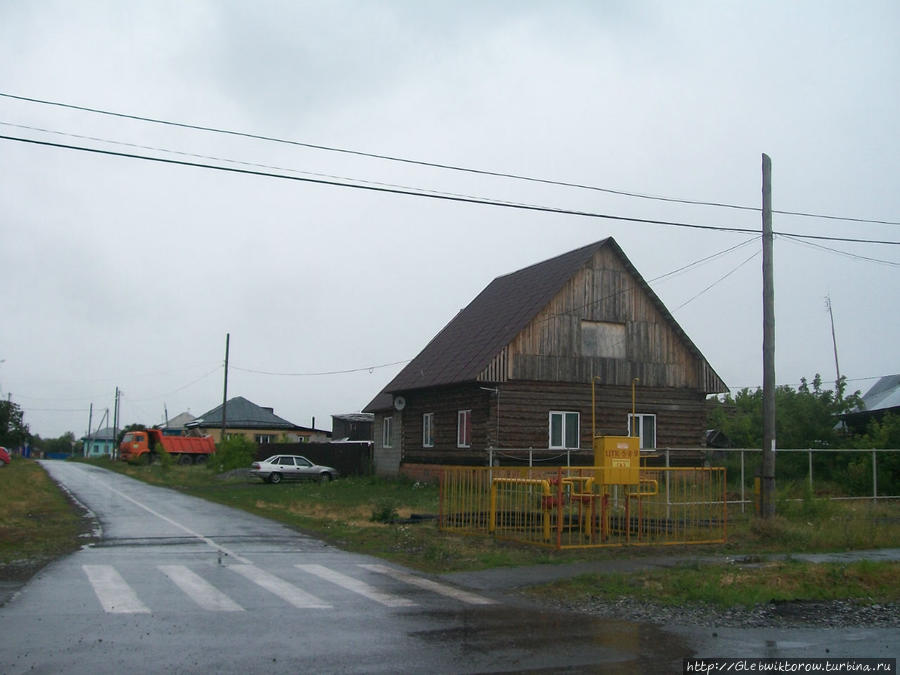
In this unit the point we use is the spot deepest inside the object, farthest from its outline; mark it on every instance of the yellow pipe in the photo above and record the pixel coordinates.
(633, 420)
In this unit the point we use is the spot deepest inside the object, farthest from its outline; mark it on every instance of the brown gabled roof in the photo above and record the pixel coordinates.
(466, 345)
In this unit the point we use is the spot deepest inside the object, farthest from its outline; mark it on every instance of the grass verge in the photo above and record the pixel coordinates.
(38, 522)
(737, 585)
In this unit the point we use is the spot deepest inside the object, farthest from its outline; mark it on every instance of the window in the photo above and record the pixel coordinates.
(464, 429)
(565, 430)
(285, 461)
(644, 427)
(387, 433)
(263, 438)
(428, 430)
(601, 338)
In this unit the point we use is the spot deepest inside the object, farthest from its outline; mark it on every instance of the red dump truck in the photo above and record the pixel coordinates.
(145, 445)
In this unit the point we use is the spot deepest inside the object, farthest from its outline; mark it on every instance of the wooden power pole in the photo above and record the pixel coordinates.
(225, 392)
(767, 484)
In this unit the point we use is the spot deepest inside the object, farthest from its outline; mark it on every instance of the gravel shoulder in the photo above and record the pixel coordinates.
(793, 614)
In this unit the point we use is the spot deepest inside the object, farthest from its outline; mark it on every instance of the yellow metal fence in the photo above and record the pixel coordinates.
(563, 507)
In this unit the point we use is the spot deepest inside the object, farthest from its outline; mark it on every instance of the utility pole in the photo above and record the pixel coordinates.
(837, 368)
(115, 454)
(90, 423)
(767, 487)
(225, 392)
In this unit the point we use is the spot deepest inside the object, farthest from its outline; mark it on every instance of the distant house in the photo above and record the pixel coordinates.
(882, 398)
(256, 423)
(352, 427)
(176, 425)
(99, 443)
(514, 369)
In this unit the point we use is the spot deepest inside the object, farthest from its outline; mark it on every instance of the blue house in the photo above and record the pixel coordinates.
(99, 443)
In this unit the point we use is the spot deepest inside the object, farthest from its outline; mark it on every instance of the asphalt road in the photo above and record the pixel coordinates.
(178, 584)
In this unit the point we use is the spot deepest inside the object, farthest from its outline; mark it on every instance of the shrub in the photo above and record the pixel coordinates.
(384, 511)
(233, 453)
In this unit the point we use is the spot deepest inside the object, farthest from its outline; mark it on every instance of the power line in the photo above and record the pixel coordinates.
(717, 281)
(701, 260)
(437, 165)
(330, 372)
(797, 384)
(843, 253)
(256, 165)
(413, 193)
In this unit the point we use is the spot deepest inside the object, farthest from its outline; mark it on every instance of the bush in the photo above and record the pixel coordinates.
(384, 511)
(233, 453)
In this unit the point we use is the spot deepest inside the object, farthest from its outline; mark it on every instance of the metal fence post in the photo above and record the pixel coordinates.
(742, 481)
(668, 500)
(874, 476)
(810, 472)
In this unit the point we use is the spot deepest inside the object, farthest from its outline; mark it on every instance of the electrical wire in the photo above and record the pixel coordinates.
(255, 165)
(330, 372)
(437, 165)
(856, 256)
(717, 281)
(701, 260)
(412, 193)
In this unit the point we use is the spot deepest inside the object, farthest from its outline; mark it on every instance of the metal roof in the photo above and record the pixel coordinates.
(242, 414)
(884, 394)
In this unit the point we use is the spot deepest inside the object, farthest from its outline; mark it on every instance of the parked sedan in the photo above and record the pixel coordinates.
(291, 467)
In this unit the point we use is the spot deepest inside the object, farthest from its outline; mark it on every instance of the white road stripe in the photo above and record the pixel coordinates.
(280, 587)
(114, 594)
(184, 528)
(428, 584)
(199, 590)
(357, 586)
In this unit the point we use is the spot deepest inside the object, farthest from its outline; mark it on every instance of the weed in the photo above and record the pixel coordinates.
(384, 511)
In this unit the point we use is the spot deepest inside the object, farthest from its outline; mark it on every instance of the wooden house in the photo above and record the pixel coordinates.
(513, 370)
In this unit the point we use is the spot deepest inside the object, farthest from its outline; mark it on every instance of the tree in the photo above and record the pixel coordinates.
(63, 445)
(13, 430)
(804, 418)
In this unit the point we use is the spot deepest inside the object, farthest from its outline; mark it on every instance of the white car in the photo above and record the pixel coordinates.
(291, 467)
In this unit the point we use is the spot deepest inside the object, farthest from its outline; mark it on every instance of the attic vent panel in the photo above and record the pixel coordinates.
(603, 339)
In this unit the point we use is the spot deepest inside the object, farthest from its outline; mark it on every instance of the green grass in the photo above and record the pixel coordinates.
(37, 521)
(739, 585)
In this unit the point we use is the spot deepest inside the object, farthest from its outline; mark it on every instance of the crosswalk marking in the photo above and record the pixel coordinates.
(117, 597)
(288, 592)
(357, 586)
(199, 590)
(428, 584)
(114, 594)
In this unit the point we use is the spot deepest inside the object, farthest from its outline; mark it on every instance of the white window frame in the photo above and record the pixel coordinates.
(387, 432)
(262, 439)
(642, 432)
(564, 416)
(428, 430)
(463, 425)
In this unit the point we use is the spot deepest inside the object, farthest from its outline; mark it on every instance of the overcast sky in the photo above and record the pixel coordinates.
(119, 272)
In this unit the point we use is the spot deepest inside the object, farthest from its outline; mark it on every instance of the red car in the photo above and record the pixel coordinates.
(4, 456)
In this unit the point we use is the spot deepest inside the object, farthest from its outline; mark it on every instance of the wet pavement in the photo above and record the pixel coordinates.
(178, 584)
(182, 585)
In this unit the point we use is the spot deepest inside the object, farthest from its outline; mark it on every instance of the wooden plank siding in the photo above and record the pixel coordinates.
(524, 417)
(550, 347)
